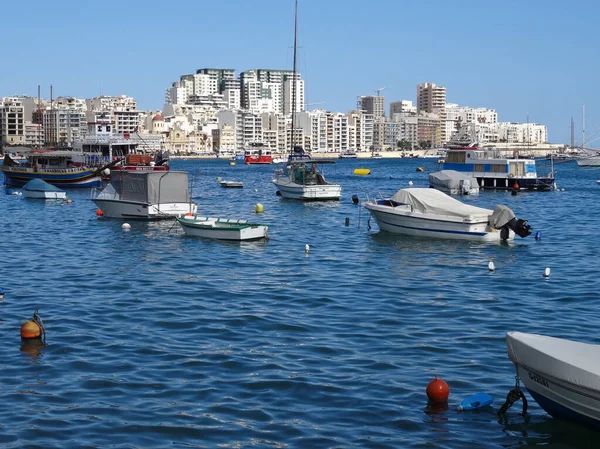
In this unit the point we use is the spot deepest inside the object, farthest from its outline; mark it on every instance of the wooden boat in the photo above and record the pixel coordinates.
(563, 376)
(54, 167)
(40, 189)
(222, 228)
(145, 195)
(424, 212)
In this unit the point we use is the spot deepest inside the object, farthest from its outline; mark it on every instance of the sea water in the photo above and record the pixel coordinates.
(156, 340)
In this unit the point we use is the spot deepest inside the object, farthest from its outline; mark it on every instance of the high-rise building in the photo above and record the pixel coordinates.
(374, 105)
(12, 121)
(431, 99)
(225, 78)
(279, 77)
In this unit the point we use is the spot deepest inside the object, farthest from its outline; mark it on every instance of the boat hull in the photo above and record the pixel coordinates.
(42, 195)
(592, 161)
(68, 178)
(291, 190)
(561, 376)
(222, 229)
(112, 208)
(400, 220)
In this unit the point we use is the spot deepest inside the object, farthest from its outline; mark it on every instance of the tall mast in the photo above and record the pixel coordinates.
(51, 119)
(572, 133)
(293, 109)
(583, 128)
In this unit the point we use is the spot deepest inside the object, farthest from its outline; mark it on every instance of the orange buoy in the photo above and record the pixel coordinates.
(99, 212)
(437, 391)
(516, 186)
(189, 214)
(30, 330)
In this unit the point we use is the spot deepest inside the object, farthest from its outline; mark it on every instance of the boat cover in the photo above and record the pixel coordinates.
(432, 201)
(570, 361)
(451, 179)
(149, 187)
(39, 185)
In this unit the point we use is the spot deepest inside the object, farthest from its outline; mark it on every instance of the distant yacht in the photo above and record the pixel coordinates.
(348, 155)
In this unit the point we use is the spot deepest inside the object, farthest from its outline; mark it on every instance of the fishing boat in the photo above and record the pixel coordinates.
(222, 228)
(493, 171)
(257, 153)
(145, 195)
(40, 189)
(423, 212)
(563, 376)
(302, 178)
(454, 183)
(55, 167)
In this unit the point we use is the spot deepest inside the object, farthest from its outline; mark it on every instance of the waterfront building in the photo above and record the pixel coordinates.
(374, 105)
(12, 121)
(223, 138)
(428, 125)
(360, 131)
(431, 99)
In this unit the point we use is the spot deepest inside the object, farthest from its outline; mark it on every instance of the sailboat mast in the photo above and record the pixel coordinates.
(293, 108)
(572, 133)
(583, 128)
(51, 119)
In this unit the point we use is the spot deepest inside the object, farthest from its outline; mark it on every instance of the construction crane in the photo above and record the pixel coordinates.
(313, 104)
(379, 90)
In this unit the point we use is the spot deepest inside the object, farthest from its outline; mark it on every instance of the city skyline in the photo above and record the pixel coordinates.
(521, 61)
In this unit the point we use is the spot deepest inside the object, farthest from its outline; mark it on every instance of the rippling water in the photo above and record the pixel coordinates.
(159, 340)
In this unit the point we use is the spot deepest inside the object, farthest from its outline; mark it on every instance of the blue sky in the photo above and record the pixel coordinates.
(523, 58)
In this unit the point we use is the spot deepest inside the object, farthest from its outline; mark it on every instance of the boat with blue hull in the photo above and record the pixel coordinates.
(495, 172)
(54, 167)
(562, 376)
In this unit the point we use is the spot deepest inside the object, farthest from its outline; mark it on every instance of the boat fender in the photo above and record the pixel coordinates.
(547, 272)
(99, 213)
(475, 402)
(126, 226)
(437, 391)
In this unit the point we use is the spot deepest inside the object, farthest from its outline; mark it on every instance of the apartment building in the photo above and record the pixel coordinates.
(12, 121)
(431, 99)
(374, 105)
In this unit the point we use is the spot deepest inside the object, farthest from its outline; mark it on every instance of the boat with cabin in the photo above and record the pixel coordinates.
(426, 212)
(257, 153)
(494, 171)
(147, 195)
(454, 183)
(56, 167)
(348, 155)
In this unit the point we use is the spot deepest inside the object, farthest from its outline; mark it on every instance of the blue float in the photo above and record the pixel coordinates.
(475, 402)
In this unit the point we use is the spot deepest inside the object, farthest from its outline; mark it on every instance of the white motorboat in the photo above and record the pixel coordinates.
(232, 184)
(41, 190)
(563, 376)
(454, 183)
(145, 195)
(222, 228)
(304, 180)
(425, 212)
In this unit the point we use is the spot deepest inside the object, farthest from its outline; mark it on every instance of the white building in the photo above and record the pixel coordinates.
(288, 106)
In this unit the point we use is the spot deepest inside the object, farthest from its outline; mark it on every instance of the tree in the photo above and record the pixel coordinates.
(404, 144)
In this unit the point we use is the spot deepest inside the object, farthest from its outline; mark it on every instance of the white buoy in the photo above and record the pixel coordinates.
(547, 272)
(126, 226)
(410, 183)
(491, 266)
(306, 248)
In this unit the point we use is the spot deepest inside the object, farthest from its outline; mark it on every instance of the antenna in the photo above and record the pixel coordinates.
(379, 90)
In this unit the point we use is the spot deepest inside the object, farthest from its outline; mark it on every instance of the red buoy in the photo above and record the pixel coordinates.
(99, 212)
(516, 186)
(437, 391)
(29, 330)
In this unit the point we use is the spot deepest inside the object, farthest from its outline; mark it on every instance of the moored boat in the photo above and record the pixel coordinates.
(257, 153)
(422, 212)
(146, 195)
(222, 228)
(493, 171)
(454, 183)
(54, 167)
(40, 189)
(563, 376)
(304, 180)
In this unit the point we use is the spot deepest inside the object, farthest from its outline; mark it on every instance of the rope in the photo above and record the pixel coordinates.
(513, 396)
(36, 319)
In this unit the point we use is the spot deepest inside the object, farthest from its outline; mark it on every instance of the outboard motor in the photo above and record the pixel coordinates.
(504, 219)
(465, 186)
